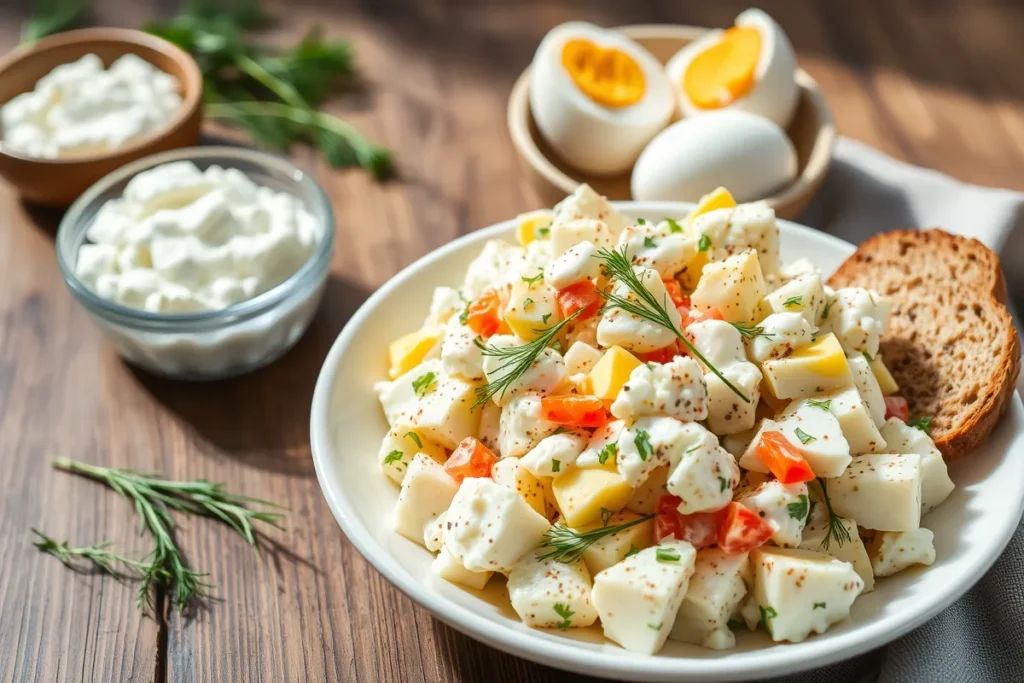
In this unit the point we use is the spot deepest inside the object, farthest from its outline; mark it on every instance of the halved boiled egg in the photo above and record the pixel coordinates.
(597, 97)
(750, 66)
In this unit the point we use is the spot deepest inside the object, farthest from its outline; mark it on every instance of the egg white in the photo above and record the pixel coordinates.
(774, 94)
(596, 139)
(748, 154)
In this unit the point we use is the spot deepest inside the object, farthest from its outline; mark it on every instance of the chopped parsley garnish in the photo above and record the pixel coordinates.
(544, 231)
(804, 436)
(545, 318)
(464, 315)
(868, 356)
(416, 438)
(606, 514)
(691, 449)
(766, 614)
(654, 627)
(819, 605)
(799, 509)
(723, 484)
(650, 366)
(649, 243)
(393, 456)
(565, 612)
(527, 302)
(609, 451)
(673, 225)
(535, 279)
(824, 311)
(666, 555)
(561, 429)
(556, 465)
(704, 243)
(424, 383)
(922, 423)
(793, 301)
(824, 405)
(633, 550)
(642, 441)
(641, 221)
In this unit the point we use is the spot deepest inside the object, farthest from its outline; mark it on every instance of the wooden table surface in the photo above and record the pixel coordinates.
(935, 83)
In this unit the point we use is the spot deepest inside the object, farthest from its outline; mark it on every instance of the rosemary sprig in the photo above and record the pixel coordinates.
(618, 267)
(836, 528)
(516, 360)
(750, 331)
(567, 545)
(154, 497)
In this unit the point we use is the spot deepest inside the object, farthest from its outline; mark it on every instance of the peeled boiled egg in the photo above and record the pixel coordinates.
(750, 66)
(597, 97)
(746, 153)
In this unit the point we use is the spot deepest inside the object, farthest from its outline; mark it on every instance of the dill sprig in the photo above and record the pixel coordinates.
(567, 545)
(154, 498)
(836, 528)
(618, 267)
(750, 331)
(516, 360)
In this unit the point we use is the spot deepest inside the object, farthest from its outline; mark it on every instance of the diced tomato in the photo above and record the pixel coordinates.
(470, 459)
(581, 296)
(783, 459)
(484, 313)
(698, 317)
(574, 411)
(675, 292)
(741, 530)
(666, 526)
(667, 503)
(896, 406)
(701, 528)
(661, 355)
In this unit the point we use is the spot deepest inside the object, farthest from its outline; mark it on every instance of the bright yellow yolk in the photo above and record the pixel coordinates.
(724, 72)
(607, 76)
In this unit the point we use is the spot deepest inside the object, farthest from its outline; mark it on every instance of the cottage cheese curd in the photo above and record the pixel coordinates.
(184, 240)
(81, 108)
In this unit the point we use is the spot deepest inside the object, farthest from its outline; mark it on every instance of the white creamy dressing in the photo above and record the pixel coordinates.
(81, 108)
(184, 240)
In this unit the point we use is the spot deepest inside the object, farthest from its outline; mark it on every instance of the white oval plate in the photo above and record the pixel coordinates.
(971, 528)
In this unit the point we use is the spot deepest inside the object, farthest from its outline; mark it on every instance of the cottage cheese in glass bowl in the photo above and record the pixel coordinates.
(200, 263)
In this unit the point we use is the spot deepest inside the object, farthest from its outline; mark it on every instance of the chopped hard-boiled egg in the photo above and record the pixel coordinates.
(613, 548)
(546, 593)
(820, 366)
(531, 309)
(813, 431)
(638, 598)
(784, 507)
(717, 587)
(611, 372)
(400, 445)
(427, 491)
(881, 492)
(857, 317)
(886, 382)
(803, 294)
(894, 551)
(705, 475)
(556, 453)
(534, 225)
(935, 482)
(630, 331)
(511, 473)
(412, 349)
(818, 536)
(582, 494)
(675, 389)
(734, 286)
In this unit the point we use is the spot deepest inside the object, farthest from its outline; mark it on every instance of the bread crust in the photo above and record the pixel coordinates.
(969, 428)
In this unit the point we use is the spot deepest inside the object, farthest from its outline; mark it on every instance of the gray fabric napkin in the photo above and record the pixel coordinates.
(980, 638)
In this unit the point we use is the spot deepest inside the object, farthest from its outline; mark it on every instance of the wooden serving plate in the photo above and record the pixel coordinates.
(812, 131)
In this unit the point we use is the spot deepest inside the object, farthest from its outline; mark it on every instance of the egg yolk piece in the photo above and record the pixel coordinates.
(724, 72)
(606, 75)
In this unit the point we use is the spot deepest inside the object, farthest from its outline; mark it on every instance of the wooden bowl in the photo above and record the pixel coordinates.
(812, 131)
(58, 182)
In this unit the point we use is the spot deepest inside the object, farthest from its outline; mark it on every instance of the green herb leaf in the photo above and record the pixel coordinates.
(609, 451)
(642, 441)
(556, 465)
(868, 356)
(606, 515)
(649, 243)
(799, 509)
(749, 331)
(416, 438)
(565, 612)
(633, 550)
(393, 456)
(543, 231)
(922, 423)
(641, 221)
(647, 307)
(804, 436)
(819, 605)
(793, 301)
(673, 225)
(723, 484)
(824, 311)
(424, 383)
(836, 529)
(824, 405)
(535, 279)
(704, 243)
(545, 318)
(654, 627)
(666, 555)
(567, 545)
(527, 302)
(766, 614)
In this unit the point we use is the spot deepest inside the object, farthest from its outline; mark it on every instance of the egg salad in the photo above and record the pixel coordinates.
(658, 427)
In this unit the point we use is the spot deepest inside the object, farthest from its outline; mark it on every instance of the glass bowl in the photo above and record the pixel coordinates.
(208, 344)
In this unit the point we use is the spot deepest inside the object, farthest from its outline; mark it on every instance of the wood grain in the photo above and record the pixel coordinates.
(936, 83)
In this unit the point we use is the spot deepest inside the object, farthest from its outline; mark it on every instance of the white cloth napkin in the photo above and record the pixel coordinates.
(980, 638)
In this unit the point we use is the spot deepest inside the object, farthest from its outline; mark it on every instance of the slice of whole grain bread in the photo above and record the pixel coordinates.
(950, 343)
